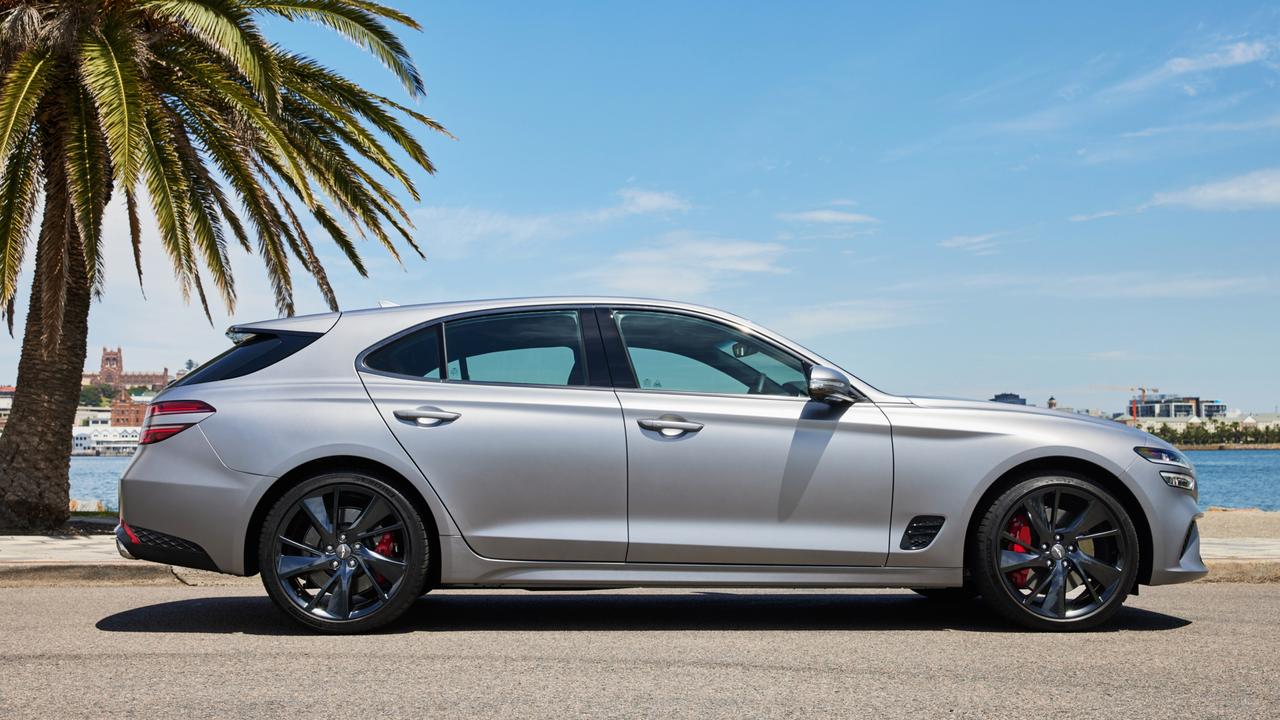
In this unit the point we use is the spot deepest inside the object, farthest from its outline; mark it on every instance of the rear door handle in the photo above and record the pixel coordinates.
(426, 416)
(670, 425)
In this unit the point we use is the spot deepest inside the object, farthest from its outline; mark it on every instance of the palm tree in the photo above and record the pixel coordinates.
(231, 139)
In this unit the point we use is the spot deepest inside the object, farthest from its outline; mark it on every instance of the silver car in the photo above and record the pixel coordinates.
(358, 459)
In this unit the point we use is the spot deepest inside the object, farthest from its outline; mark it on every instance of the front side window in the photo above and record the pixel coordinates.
(528, 348)
(687, 354)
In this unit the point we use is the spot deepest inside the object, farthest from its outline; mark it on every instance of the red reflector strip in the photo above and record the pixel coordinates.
(129, 531)
(178, 407)
(156, 433)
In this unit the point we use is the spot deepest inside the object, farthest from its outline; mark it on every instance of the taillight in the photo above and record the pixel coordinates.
(156, 433)
(178, 407)
(152, 434)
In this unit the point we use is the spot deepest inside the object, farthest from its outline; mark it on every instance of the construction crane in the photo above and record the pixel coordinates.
(1133, 405)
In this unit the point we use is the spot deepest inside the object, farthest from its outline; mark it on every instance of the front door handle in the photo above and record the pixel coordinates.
(670, 425)
(427, 416)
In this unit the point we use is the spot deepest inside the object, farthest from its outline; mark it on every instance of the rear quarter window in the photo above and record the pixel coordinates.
(257, 352)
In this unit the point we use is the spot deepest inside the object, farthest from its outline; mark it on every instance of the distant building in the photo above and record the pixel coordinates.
(103, 440)
(127, 412)
(1053, 403)
(111, 372)
(1170, 406)
(1009, 398)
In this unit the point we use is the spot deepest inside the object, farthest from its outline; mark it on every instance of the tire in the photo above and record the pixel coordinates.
(947, 595)
(344, 571)
(1079, 560)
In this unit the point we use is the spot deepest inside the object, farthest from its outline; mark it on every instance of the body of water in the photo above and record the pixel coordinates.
(1228, 478)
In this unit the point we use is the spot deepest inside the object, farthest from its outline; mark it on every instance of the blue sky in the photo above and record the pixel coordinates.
(951, 199)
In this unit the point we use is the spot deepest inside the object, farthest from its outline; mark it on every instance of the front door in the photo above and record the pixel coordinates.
(514, 429)
(729, 461)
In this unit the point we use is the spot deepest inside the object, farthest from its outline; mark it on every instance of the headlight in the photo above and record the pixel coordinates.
(1182, 481)
(1163, 456)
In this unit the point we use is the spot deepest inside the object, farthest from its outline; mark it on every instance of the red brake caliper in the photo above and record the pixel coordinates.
(386, 547)
(1021, 529)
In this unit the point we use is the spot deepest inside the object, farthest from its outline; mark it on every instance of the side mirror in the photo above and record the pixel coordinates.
(830, 386)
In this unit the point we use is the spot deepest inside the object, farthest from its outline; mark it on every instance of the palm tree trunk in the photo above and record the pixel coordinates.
(35, 449)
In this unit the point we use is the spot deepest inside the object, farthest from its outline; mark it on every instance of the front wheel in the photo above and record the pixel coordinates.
(343, 553)
(1055, 552)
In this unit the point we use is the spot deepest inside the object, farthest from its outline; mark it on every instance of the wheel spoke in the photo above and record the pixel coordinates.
(385, 529)
(337, 509)
(1089, 518)
(340, 599)
(1011, 561)
(1055, 596)
(289, 566)
(1092, 566)
(388, 568)
(1087, 582)
(315, 510)
(300, 546)
(375, 511)
(373, 578)
(1035, 513)
(311, 604)
(1097, 535)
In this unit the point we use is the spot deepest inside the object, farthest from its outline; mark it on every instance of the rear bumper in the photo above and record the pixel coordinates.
(185, 507)
(141, 544)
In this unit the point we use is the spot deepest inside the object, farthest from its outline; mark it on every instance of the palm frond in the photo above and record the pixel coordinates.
(18, 194)
(88, 180)
(111, 77)
(229, 29)
(23, 88)
(360, 25)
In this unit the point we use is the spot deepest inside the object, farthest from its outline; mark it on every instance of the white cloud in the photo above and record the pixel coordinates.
(1117, 286)
(827, 217)
(1267, 123)
(685, 264)
(848, 316)
(1258, 189)
(977, 244)
(1086, 217)
(1234, 55)
(455, 232)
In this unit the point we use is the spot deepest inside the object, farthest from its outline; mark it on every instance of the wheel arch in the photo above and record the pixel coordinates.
(1093, 471)
(338, 463)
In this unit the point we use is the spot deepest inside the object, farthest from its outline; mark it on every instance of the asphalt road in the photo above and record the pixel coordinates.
(1203, 650)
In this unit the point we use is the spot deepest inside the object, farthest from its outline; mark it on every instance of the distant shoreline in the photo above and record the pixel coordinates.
(1232, 446)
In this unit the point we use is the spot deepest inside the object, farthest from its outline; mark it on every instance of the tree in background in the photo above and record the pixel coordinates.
(230, 138)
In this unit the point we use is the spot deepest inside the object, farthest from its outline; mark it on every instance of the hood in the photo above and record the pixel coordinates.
(987, 405)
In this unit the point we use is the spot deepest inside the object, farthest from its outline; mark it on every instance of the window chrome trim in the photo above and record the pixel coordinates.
(362, 366)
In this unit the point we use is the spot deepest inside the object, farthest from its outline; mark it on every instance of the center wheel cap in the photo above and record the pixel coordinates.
(1057, 551)
(344, 551)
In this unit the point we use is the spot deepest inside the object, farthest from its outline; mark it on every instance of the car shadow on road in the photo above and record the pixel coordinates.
(608, 611)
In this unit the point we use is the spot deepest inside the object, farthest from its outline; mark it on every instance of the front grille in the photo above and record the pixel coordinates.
(921, 531)
(165, 542)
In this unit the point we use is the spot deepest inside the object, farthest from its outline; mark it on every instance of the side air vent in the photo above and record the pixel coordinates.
(921, 531)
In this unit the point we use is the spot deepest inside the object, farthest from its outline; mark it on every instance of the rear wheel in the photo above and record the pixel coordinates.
(344, 553)
(1055, 552)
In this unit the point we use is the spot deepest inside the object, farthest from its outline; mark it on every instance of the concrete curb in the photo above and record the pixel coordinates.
(123, 573)
(128, 572)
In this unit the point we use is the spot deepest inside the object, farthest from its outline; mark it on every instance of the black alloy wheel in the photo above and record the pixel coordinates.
(1055, 552)
(344, 552)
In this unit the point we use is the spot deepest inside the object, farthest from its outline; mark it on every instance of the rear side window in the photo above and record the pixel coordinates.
(256, 352)
(528, 348)
(416, 355)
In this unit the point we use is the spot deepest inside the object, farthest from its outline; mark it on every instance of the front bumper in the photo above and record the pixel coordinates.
(1172, 515)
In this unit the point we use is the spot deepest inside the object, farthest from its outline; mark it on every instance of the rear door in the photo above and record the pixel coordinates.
(731, 462)
(511, 418)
